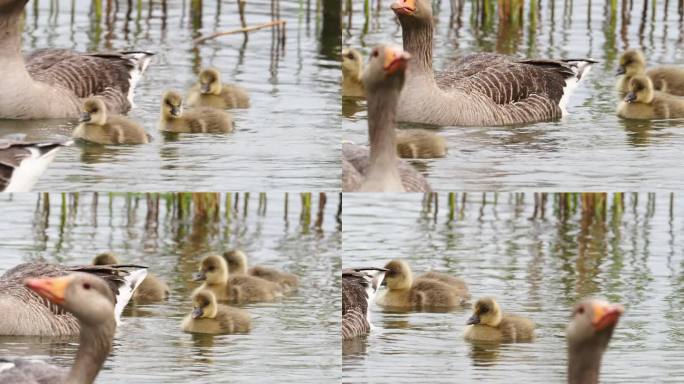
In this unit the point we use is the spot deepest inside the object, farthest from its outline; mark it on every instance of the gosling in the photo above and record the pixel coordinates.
(209, 317)
(237, 265)
(489, 324)
(642, 102)
(151, 290)
(352, 72)
(665, 78)
(97, 126)
(197, 120)
(420, 144)
(211, 92)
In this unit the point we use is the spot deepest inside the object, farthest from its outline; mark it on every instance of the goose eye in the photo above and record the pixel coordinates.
(86, 286)
(375, 53)
(580, 310)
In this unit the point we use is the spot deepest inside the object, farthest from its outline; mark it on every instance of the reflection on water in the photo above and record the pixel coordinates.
(537, 254)
(290, 72)
(589, 149)
(293, 339)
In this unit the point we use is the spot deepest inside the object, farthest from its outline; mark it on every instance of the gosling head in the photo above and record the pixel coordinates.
(398, 275)
(172, 105)
(237, 261)
(204, 305)
(386, 68)
(413, 11)
(352, 63)
(106, 258)
(94, 112)
(487, 312)
(640, 90)
(631, 63)
(212, 270)
(592, 323)
(210, 82)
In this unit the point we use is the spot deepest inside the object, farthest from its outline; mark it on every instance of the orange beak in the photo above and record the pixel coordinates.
(606, 314)
(51, 288)
(395, 60)
(404, 7)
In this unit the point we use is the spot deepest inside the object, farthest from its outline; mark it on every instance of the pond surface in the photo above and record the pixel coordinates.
(537, 268)
(588, 150)
(295, 339)
(288, 140)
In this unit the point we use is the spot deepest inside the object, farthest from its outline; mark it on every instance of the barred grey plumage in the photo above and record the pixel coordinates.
(359, 285)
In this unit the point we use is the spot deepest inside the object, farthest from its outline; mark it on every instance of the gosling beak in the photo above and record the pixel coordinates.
(199, 276)
(175, 111)
(51, 288)
(404, 7)
(474, 319)
(204, 87)
(197, 313)
(620, 70)
(630, 97)
(606, 314)
(395, 60)
(85, 117)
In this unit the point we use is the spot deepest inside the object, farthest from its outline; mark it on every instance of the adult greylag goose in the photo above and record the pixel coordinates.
(642, 102)
(99, 126)
(665, 78)
(209, 317)
(359, 286)
(420, 144)
(588, 334)
(237, 265)
(352, 73)
(23, 162)
(489, 323)
(479, 89)
(87, 298)
(380, 168)
(197, 120)
(213, 271)
(26, 313)
(211, 92)
(151, 290)
(52, 83)
(421, 293)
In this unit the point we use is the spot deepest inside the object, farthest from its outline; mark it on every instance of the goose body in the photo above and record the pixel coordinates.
(665, 78)
(359, 286)
(379, 168)
(420, 144)
(22, 162)
(52, 83)
(481, 89)
(211, 92)
(197, 120)
(489, 324)
(352, 71)
(88, 299)
(237, 265)
(151, 290)
(209, 317)
(98, 126)
(643, 102)
(26, 313)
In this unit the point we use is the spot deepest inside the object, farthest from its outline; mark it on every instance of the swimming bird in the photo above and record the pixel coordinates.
(209, 317)
(489, 323)
(480, 89)
(380, 168)
(588, 334)
(237, 265)
(52, 83)
(359, 286)
(420, 144)
(644, 103)
(151, 290)
(98, 126)
(23, 162)
(26, 313)
(352, 73)
(197, 120)
(211, 92)
(665, 78)
(91, 302)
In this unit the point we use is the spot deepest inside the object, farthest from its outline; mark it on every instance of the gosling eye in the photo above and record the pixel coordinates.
(484, 309)
(350, 56)
(210, 269)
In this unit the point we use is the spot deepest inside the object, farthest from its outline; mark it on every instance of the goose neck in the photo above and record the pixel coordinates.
(382, 106)
(584, 363)
(10, 30)
(95, 345)
(417, 38)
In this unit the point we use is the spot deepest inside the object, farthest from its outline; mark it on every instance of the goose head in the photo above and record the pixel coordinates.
(94, 111)
(352, 63)
(204, 305)
(236, 260)
(640, 90)
(632, 62)
(487, 312)
(87, 296)
(398, 275)
(413, 11)
(210, 82)
(592, 321)
(106, 258)
(213, 270)
(172, 105)
(386, 68)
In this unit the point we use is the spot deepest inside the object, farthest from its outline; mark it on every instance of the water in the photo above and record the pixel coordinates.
(536, 268)
(588, 150)
(295, 339)
(287, 140)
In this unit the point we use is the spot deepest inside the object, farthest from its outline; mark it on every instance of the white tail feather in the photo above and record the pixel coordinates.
(131, 283)
(140, 61)
(26, 175)
(580, 68)
(376, 278)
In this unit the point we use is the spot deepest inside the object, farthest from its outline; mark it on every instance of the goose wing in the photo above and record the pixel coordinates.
(20, 371)
(22, 162)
